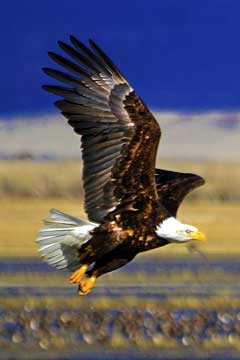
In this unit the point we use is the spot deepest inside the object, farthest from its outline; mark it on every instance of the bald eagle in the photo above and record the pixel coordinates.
(131, 206)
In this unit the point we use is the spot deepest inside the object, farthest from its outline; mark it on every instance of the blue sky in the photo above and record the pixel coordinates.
(180, 55)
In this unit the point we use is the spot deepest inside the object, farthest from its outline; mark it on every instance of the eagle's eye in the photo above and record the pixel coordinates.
(188, 231)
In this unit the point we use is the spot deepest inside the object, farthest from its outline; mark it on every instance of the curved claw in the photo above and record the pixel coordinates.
(86, 285)
(77, 276)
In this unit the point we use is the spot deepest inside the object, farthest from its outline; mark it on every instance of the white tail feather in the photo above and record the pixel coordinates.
(61, 239)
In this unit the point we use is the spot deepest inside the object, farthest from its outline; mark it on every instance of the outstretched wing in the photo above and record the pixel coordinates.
(174, 186)
(119, 134)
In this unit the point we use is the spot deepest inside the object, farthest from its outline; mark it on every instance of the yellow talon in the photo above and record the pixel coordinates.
(77, 276)
(86, 285)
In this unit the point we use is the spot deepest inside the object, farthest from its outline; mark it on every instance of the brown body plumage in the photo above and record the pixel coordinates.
(124, 193)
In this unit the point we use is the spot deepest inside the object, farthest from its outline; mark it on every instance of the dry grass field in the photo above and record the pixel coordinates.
(20, 220)
(29, 189)
(62, 179)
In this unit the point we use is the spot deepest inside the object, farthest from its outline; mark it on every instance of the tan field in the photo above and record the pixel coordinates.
(62, 179)
(29, 189)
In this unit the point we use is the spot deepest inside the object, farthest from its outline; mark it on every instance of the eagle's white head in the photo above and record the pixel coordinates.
(174, 231)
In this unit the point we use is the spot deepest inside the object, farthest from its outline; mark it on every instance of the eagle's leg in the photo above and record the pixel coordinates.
(77, 275)
(102, 266)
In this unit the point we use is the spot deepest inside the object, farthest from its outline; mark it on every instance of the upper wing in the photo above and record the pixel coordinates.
(174, 186)
(119, 134)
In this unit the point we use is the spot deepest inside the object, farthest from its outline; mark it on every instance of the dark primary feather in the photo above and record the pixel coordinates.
(90, 55)
(173, 187)
(119, 134)
(70, 95)
(69, 65)
(77, 56)
(107, 62)
(60, 76)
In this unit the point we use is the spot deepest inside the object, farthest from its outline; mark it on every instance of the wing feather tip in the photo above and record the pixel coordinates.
(45, 69)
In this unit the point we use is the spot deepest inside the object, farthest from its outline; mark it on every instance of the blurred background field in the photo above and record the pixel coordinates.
(61, 179)
(170, 299)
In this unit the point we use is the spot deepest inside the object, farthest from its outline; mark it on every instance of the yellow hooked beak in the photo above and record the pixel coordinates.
(197, 235)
